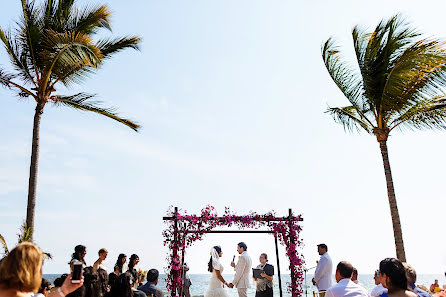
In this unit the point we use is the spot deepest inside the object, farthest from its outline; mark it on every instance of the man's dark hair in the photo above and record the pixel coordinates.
(323, 245)
(59, 281)
(243, 245)
(152, 275)
(44, 285)
(345, 269)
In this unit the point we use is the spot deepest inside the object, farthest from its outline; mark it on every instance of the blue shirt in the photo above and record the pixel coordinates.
(418, 291)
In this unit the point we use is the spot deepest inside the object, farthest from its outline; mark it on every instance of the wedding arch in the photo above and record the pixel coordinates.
(184, 229)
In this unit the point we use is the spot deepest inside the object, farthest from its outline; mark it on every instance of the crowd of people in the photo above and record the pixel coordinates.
(21, 276)
(393, 279)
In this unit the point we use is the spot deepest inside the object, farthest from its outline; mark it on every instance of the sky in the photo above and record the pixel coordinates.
(231, 97)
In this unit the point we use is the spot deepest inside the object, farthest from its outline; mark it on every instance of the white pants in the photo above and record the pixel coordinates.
(242, 292)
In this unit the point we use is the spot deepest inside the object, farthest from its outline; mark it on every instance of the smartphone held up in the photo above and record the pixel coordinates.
(77, 272)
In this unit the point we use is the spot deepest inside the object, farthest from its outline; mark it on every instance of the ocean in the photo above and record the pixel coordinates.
(200, 283)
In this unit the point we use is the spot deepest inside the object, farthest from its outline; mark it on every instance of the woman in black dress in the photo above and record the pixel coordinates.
(264, 285)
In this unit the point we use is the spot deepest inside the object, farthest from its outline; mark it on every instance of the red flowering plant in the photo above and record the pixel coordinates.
(183, 230)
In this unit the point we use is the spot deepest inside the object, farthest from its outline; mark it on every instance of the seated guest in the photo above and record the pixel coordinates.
(100, 261)
(150, 287)
(44, 290)
(411, 276)
(355, 277)
(435, 287)
(393, 277)
(345, 286)
(379, 289)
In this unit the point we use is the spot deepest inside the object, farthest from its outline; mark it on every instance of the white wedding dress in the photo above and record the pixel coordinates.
(216, 287)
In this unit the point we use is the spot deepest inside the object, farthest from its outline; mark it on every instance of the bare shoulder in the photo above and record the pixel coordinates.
(411, 294)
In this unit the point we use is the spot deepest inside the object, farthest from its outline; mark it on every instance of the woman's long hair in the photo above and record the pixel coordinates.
(123, 286)
(102, 282)
(210, 267)
(132, 258)
(119, 262)
(394, 269)
(78, 251)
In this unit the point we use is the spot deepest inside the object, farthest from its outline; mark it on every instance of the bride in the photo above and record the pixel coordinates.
(217, 282)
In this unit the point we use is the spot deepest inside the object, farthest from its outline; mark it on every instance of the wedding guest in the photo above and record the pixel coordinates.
(150, 287)
(79, 255)
(134, 260)
(103, 282)
(355, 277)
(393, 277)
(118, 269)
(100, 261)
(186, 281)
(59, 281)
(44, 289)
(324, 269)
(379, 289)
(264, 285)
(411, 276)
(434, 287)
(124, 287)
(21, 273)
(345, 286)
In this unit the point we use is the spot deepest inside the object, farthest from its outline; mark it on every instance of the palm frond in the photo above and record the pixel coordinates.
(64, 12)
(29, 36)
(418, 74)
(4, 245)
(5, 78)
(347, 80)
(25, 234)
(425, 114)
(90, 19)
(16, 58)
(47, 256)
(68, 53)
(82, 101)
(350, 118)
(109, 47)
(385, 45)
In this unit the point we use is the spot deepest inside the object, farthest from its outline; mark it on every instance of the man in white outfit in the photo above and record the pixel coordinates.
(324, 269)
(345, 286)
(242, 270)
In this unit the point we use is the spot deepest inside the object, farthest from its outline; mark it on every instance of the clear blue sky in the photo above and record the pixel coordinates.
(231, 96)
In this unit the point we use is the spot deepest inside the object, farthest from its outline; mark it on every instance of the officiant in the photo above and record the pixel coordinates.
(264, 284)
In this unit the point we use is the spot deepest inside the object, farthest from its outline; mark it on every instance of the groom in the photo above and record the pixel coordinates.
(242, 270)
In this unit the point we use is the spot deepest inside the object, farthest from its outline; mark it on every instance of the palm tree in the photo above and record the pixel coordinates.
(398, 83)
(53, 46)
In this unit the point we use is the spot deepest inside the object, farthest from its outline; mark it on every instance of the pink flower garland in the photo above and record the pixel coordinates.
(287, 231)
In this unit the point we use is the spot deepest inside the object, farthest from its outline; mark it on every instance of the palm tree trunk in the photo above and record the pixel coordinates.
(397, 232)
(33, 168)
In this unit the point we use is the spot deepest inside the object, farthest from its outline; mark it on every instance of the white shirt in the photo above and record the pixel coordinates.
(378, 290)
(346, 287)
(323, 273)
